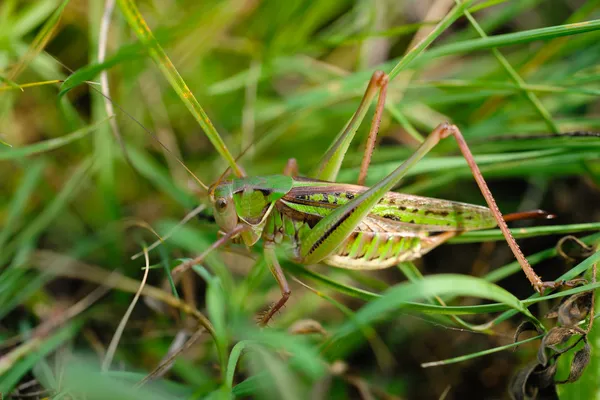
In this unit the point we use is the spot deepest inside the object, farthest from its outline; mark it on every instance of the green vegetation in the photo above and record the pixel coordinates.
(84, 189)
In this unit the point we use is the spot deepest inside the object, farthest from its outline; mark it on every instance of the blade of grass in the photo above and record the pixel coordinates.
(234, 356)
(114, 342)
(138, 24)
(572, 273)
(533, 99)
(20, 199)
(437, 285)
(48, 145)
(40, 41)
(479, 353)
(510, 39)
(521, 233)
(14, 365)
(52, 210)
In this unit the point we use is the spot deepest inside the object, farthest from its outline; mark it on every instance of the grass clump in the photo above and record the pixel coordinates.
(84, 189)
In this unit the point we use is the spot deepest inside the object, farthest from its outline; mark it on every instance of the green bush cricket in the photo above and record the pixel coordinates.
(351, 226)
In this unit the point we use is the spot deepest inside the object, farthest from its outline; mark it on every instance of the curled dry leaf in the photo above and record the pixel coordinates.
(580, 361)
(573, 250)
(534, 381)
(545, 377)
(556, 336)
(575, 309)
(525, 326)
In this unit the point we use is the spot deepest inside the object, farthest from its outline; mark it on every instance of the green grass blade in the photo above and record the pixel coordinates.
(571, 274)
(91, 71)
(533, 99)
(141, 29)
(467, 357)
(52, 210)
(510, 39)
(15, 364)
(490, 235)
(234, 356)
(30, 17)
(452, 16)
(48, 145)
(438, 285)
(513, 267)
(20, 199)
(40, 41)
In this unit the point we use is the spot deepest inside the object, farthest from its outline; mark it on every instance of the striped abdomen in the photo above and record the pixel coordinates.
(377, 250)
(373, 245)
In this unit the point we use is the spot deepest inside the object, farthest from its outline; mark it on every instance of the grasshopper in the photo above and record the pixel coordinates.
(346, 225)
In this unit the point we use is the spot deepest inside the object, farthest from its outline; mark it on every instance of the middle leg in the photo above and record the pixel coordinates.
(275, 268)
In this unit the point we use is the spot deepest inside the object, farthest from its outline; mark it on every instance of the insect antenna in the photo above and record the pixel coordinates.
(148, 131)
(153, 135)
(224, 174)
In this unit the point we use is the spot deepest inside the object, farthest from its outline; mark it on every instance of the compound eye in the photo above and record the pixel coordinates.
(221, 204)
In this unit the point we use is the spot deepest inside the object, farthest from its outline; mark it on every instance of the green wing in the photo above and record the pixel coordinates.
(395, 211)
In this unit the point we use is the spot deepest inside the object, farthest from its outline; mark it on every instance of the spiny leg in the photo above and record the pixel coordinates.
(273, 264)
(535, 280)
(373, 131)
(330, 164)
(332, 230)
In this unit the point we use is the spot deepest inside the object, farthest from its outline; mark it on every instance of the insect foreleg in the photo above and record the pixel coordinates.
(216, 244)
(275, 268)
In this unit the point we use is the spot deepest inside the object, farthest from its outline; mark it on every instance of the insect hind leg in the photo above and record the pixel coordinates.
(331, 162)
(382, 81)
(537, 283)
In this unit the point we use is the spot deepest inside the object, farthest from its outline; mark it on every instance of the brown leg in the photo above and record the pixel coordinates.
(216, 244)
(291, 167)
(331, 162)
(364, 165)
(535, 280)
(273, 264)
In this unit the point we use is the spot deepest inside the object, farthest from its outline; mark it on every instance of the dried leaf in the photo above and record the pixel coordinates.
(572, 249)
(555, 336)
(553, 313)
(534, 381)
(545, 377)
(575, 309)
(558, 335)
(525, 326)
(580, 361)
(519, 388)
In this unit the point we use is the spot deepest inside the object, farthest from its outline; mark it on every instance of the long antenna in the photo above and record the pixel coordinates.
(152, 134)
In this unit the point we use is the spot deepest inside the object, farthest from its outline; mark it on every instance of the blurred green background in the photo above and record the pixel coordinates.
(279, 80)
